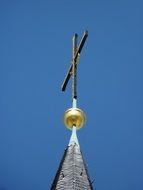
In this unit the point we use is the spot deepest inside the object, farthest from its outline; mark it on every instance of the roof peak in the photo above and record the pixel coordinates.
(73, 139)
(72, 173)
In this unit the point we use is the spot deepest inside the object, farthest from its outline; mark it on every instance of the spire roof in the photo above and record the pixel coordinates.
(72, 173)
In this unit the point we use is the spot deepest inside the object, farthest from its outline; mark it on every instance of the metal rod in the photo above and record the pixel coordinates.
(74, 68)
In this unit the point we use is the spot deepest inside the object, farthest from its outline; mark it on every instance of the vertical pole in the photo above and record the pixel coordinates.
(74, 72)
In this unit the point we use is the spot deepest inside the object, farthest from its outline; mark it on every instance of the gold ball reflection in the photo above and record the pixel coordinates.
(74, 117)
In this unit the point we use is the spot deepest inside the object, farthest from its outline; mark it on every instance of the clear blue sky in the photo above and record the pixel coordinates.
(35, 53)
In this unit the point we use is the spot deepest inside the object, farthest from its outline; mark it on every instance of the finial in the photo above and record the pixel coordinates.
(74, 117)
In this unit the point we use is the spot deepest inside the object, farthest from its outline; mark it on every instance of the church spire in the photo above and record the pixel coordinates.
(72, 173)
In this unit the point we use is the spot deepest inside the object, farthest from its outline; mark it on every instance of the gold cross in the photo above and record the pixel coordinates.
(73, 67)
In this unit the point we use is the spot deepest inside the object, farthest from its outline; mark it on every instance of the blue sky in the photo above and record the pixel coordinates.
(35, 49)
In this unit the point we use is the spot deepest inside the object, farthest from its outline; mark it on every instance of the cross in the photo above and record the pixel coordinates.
(73, 67)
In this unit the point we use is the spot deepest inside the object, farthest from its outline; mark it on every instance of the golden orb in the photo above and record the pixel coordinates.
(74, 117)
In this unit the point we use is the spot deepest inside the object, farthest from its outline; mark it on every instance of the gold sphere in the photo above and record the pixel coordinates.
(74, 117)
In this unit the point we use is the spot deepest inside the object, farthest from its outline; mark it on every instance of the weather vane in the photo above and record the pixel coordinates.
(74, 117)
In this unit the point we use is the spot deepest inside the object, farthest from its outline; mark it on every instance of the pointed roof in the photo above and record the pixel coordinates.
(72, 173)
